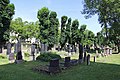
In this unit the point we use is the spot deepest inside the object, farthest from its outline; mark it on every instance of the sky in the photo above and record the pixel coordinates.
(27, 10)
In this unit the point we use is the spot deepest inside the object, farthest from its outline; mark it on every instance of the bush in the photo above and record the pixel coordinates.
(47, 56)
(26, 54)
(3, 57)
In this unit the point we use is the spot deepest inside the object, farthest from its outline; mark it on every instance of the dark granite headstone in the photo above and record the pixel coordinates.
(58, 47)
(80, 53)
(88, 59)
(94, 59)
(84, 57)
(8, 48)
(0, 49)
(54, 66)
(67, 62)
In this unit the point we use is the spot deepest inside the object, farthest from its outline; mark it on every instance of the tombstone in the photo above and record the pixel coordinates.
(54, 65)
(110, 51)
(58, 47)
(11, 57)
(45, 47)
(88, 59)
(67, 62)
(15, 48)
(0, 49)
(84, 57)
(94, 59)
(42, 47)
(19, 58)
(80, 53)
(8, 48)
(33, 51)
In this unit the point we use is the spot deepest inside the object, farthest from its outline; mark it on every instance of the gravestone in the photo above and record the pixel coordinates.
(110, 51)
(88, 59)
(84, 57)
(11, 57)
(94, 59)
(19, 58)
(0, 49)
(33, 51)
(67, 62)
(8, 48)
(42, 47)
(45, 47)
(15, 48)
(58, 47)
(54, 66)
(80, 53)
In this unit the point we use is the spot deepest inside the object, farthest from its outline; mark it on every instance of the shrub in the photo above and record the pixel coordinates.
(26, 54)
(47, 56)
(3, 57)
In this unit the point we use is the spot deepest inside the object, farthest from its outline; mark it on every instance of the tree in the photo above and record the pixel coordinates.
(6, 13)
(63, 39)
(108, 12)
(74, 29)
(48, 26)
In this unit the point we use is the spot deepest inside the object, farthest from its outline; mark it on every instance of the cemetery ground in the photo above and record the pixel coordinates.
(105, 68)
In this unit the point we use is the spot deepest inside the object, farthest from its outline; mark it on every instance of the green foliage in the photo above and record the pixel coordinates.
(3, 57)
(25, 29)
(47, 56)
(26, 54)
(108, 12)
(6, 13)
(48, 26)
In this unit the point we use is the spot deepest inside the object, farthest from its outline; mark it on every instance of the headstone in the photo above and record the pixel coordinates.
(67, 62)
(11, 57)
(84, 57)
(19, 58)
(0, 49)
(88, 59)
(58, 47)
(15, 48)
(42, 47)
(94, 59)
(45, 47)
(110, 51)
(8, 48)
(80, 53)
(54, 66)
(33, 51)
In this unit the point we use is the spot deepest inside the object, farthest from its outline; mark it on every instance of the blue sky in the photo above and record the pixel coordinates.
(27, 10)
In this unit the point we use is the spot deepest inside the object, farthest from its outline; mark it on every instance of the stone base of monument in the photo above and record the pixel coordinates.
(19, 61)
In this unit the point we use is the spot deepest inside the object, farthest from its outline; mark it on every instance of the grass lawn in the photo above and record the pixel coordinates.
(105, 68)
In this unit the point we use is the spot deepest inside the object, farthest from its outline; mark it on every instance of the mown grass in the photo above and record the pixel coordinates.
(105, 68)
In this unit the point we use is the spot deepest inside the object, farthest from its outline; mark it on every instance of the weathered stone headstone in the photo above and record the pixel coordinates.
(110, 51)
(84, 57)
(15, 48)
(33, 51)
(11, 57)
(54, 66)
(80, 53)
(88, 59)
(45, 47)
(8, 48)
(58, 47)
(67, 62)
(42, 47)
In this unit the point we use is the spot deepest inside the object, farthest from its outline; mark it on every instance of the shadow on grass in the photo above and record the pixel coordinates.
(95, 71)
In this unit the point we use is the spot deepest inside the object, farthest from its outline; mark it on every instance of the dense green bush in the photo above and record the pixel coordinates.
(3, 57)
(26, 54)
(47, 56)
